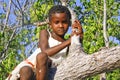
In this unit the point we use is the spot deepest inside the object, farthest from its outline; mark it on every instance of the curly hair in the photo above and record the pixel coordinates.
(59, 9)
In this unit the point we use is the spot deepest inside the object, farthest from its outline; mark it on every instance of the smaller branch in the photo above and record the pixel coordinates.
(7, 15)
(104, 26)
(6, 47)
(64, 2)
(38, 24)
(41, 23)
(17, 27)
(16, 6)
(25, 4)
(103, 75)
(19, 6)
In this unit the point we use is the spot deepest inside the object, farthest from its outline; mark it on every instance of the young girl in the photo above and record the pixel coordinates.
(53, 47)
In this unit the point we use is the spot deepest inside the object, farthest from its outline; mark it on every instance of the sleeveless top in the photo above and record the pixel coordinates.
(56, 59)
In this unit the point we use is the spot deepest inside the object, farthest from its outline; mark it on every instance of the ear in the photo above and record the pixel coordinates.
(49, 25)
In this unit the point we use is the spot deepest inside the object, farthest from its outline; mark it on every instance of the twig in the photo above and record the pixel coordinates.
(7, 15)
(16, 6)
(41, 23)
(6, 47)
(19, 6)
(23, 8)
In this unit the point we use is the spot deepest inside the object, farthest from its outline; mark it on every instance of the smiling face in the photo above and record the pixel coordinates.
(59, 23)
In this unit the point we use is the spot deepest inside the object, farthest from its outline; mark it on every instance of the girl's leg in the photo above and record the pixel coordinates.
(26, 73)
(41, 66)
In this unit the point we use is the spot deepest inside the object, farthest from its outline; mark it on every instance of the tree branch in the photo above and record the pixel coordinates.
(7, 15)
(4, 56)
(79, 66)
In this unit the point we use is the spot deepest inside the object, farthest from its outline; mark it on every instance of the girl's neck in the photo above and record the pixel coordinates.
(56, 37)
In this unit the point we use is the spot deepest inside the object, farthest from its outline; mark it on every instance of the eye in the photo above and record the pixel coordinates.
(64, 21)
(56, 22)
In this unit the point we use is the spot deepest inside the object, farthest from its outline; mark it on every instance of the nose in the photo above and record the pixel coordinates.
(61, 25)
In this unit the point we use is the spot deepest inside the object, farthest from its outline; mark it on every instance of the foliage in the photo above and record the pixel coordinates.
(23, 36)
(39, 12)
(92, 16)
(113, 75)
(14, 53)
(93, 23)
(14, 38)
(6, 65)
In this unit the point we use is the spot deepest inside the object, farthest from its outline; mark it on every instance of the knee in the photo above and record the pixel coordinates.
(26, 73)
(26, 69)
(42, 57)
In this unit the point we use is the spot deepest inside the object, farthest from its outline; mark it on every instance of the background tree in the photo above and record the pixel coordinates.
(15, 33)
(93, 19)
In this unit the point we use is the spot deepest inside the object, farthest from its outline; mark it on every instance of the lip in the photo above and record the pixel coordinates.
(60, 31)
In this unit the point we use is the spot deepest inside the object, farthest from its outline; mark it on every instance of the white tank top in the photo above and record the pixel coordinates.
(56, 59)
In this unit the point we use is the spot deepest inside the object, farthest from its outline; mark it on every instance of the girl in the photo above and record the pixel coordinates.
(53, 47)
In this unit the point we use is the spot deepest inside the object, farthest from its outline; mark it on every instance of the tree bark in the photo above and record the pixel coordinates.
(79, 65)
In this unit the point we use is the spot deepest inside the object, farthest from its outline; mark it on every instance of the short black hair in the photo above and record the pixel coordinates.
(59, 9)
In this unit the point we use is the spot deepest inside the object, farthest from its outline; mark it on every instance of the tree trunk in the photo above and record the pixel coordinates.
(79, 65)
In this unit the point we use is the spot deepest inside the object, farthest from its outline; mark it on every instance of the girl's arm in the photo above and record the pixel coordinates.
(44, 45)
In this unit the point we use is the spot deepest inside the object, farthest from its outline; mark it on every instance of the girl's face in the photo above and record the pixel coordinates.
(59, 23)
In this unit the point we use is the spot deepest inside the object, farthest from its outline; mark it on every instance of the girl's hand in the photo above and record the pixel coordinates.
(77, 28)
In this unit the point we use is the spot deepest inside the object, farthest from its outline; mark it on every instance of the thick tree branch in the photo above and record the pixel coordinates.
(80, 66)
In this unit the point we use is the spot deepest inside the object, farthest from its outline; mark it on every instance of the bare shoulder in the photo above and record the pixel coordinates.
(43, 38)
(44, 33)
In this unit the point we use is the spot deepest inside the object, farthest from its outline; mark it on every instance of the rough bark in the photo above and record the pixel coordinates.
(79, 65)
